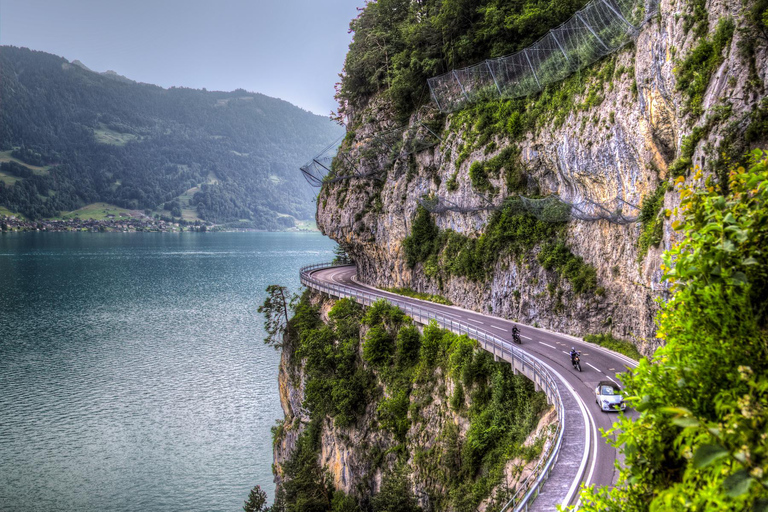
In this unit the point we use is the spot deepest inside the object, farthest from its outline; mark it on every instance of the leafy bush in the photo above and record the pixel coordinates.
(420, 243)
(408, 292)
(379, 347)
(650, 221)
(557, 256)
(479, 177)
(699, 442)
(608, 341)
(695, 71)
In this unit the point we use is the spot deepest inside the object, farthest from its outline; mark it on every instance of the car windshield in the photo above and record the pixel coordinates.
(608, 390)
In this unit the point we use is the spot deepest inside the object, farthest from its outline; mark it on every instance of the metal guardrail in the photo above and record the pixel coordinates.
(501, 349)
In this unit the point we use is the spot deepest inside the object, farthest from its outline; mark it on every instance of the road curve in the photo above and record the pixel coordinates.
(585, 456)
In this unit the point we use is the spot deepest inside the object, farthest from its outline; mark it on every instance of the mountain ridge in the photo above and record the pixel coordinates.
(103, 137)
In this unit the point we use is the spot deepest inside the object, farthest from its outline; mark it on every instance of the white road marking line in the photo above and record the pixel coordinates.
(598, 369)
(476, 321)
(610, 379)
(526, 337)
(612, 369)
(548, 345)
(499, 328)
(564, 352)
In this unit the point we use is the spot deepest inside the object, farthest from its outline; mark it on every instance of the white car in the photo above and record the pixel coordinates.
(608, 396)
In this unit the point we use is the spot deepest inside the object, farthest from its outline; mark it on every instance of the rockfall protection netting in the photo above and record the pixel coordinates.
(547, 209)
(367, 157)
(600, 28)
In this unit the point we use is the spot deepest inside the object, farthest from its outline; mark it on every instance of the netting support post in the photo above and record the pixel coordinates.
(578, 15)
(490, 70)
(618, 14)
(561, 47)
(456, 77)
(321, 165)
(525, 52)
(434, 96)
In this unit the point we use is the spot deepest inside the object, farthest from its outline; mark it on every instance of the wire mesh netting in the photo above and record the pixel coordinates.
(547, 209)
(367, 157)
(600, 28)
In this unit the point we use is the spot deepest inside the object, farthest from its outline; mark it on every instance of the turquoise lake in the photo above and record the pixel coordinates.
(133, 374)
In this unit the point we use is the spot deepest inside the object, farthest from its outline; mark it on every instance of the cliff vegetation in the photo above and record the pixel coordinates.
(386, 417)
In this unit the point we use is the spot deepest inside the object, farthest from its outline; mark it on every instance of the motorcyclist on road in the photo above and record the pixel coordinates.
(515, 334)
(574, 353)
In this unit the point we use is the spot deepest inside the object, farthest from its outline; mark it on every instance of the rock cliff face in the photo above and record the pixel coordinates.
(619, 147)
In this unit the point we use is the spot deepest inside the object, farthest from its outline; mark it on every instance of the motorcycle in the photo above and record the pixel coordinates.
(516, 337)
(576, 362)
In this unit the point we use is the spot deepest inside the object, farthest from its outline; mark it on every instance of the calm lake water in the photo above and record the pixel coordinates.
(133, 375)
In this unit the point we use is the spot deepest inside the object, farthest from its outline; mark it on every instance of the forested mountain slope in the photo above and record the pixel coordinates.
(92, 137)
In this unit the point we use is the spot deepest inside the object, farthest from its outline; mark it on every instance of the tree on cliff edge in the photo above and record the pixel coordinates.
(257, 501)
(275, 311)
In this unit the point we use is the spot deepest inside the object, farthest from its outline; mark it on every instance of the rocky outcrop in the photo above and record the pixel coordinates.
(620, 147)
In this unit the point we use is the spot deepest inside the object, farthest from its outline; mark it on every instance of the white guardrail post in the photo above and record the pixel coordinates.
(529, 489)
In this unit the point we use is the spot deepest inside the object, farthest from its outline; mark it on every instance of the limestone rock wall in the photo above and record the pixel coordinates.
(622, 147)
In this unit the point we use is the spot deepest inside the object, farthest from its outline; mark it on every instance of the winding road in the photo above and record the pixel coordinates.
(585, 456)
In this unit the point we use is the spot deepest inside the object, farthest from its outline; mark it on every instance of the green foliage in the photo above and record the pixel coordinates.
(757, 131)
(501, 407)
(275, 310)
(510, 231)
(399, 44)
(511, 119)
(306, 487)
(556, 256)
(651, 221)
(408, 344)
(231, 155)
(392, 414)
(683, 162)
(395, 494)
(379, 347)
(695, 71)
(408, 292)
(336, 383)
(699, 442)
(608, 341)
(478, 176)
(420, 243)
(257, 501)
(452, 185)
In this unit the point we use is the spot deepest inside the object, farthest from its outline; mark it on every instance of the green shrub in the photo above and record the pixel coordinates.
(608, 341)
(408, 292)
(556, 256)
(452, 185)
(651, 221)
(695, 71)
(479, 177)
(378, 347)
(420, 243)
(408, 345)
(699, 440)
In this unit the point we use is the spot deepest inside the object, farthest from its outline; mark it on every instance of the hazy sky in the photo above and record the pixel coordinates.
(289, 49)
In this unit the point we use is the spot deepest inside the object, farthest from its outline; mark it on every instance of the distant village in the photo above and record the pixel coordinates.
(120, 223)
